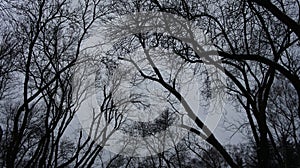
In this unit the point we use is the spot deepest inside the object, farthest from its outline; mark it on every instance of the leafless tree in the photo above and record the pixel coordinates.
(257, 43)
(40, 46)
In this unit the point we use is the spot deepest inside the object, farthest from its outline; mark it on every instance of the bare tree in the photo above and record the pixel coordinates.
(257, 43)
(44, 42)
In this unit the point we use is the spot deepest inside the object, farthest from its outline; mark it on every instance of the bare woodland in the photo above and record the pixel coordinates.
(254, 45)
